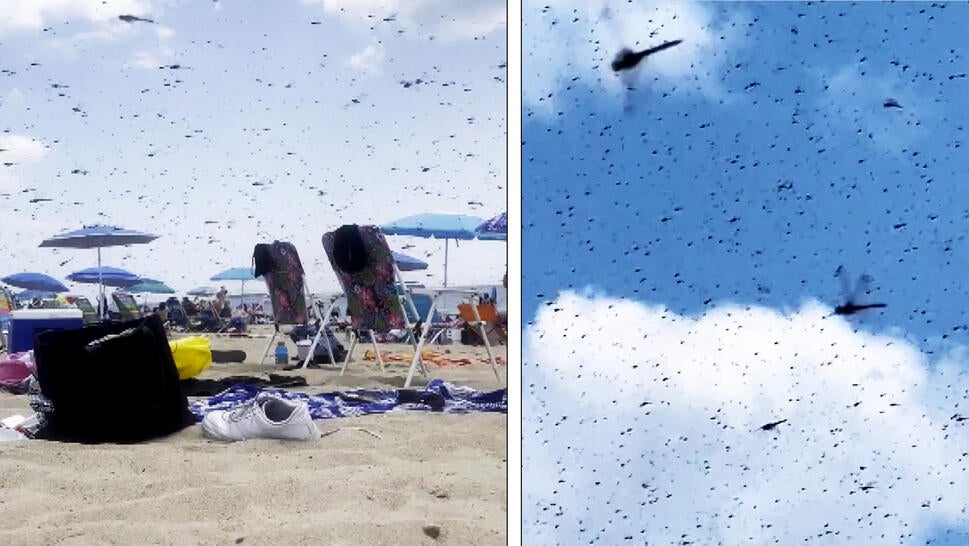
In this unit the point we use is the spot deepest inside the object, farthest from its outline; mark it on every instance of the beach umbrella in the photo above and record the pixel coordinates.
(437, 226)
(149, 286)
(242, 274)
(35, 281)
(105, 276)
(408, 263)
(203, 291)
(98, 236)
(494, 229)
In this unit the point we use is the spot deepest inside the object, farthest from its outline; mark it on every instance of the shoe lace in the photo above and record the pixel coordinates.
(245, 410)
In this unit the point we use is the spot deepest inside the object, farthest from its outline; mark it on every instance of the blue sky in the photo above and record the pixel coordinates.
(754, 185)
(222, 124)
(741, 170)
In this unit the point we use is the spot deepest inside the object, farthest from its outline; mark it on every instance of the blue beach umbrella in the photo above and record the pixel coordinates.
(437, 226)
(494, 229)
(98, 236)
(105, 276)
(150, 286)
(242, 274)
(35, 281)
(408, 263)
(204, 291)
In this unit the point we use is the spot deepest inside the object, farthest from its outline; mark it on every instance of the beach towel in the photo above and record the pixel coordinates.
(349, 249)
(212, 387)
(285, 284)
(436, 396)
(262, 260)
(373, 299)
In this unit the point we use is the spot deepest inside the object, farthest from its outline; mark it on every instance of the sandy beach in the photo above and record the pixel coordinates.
(426, 476)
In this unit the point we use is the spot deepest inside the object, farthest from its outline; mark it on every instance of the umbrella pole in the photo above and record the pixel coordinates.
(445, 263)
(101, 303)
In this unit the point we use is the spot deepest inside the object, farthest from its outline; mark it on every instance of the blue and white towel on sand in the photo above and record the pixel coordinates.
(354, 403)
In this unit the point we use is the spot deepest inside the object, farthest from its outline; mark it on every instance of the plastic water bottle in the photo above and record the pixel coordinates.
(282, 353)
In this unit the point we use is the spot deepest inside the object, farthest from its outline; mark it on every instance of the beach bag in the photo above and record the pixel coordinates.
(320, 354)
(192, 355)
(110, 382)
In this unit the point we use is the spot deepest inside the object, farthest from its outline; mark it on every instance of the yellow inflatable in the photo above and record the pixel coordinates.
(192, 355)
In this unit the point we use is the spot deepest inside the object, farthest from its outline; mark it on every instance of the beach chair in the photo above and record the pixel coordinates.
(372, 289)
(88, 312)
(485, 317)
(7, 306)
(439, 328)
(177, 317)
(127, 306)
(376, 293)
(279, 265)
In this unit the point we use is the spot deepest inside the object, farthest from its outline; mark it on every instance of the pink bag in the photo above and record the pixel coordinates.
(15, 369)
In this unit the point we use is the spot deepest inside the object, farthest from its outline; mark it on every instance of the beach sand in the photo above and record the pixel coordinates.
(425, 472)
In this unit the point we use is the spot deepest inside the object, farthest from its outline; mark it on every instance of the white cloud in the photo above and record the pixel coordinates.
(643, 423)
(21, 149)
(577, 40)
(34, 14)
(368, 60)
(16, 153)
(443, 18)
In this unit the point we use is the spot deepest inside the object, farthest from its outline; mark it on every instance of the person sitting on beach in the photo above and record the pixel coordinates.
(240, 317)
(220, 302)
(189, 306)
(163, 312)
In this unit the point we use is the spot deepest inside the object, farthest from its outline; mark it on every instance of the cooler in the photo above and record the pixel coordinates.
(25, 323)
(303, 348)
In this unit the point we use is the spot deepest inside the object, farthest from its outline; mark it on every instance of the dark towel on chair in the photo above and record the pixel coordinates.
(262, 260)
(349, 250)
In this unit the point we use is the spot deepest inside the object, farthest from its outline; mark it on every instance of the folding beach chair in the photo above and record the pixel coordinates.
(88, 312)
(279, 265)
(376, 293)
(7, 306)
(485, 316)
(127, 306)
(439, 328)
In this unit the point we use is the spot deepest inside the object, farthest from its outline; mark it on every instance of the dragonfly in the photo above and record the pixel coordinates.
(627, 59)
(863, 286)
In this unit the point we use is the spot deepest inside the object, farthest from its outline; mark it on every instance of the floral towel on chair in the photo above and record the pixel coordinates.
(285, 284)
(372, 297)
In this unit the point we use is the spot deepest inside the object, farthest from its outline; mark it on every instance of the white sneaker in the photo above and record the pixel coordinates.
(265, 416)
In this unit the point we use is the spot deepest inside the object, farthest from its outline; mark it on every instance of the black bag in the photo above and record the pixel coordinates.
(111, 382)
(320, 354)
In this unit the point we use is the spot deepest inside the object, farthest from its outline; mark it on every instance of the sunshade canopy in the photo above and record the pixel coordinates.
(234, 274)
(110, 276)
(98, 236)
(438, 226)
(35, 281)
